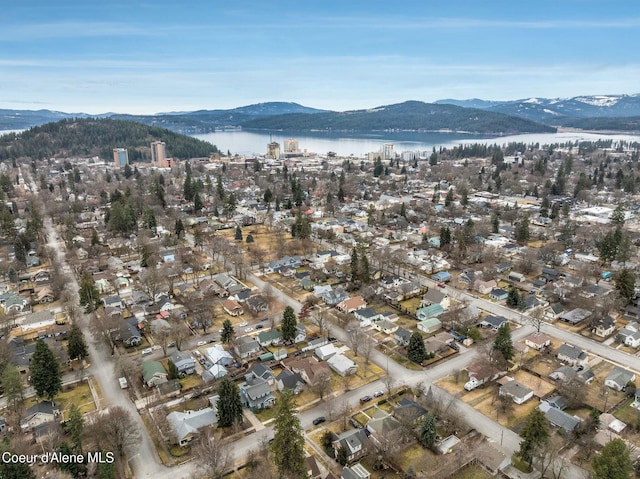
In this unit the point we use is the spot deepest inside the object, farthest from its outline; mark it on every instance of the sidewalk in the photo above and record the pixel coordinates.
(255, 422)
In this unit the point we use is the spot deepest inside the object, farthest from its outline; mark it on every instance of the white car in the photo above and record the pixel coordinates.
(201, 343)
(242, 324)
(377, 394)
(248, 330)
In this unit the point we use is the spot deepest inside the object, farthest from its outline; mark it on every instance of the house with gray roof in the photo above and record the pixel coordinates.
(288, 380)
(261, 370)
(354, 441)
(184, 362)
(516, 391)
(618, 378)
(246, 346)
(188, 424)
(571, 355)
(559, 418)
(40, 413)
(256, 394)
(402, 336)
(355, 471)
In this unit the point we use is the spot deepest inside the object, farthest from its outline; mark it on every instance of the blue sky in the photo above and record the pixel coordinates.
(145, 57)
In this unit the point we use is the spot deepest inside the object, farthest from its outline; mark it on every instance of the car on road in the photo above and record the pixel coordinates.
(201, 343)
(146, 351)
(377, 394)
(242, 324)
(365, 399)
(454, 346)
(319, 420)
(259, 326)
(212, 340)
(264, 319)
(440, 285)
(332, 339)
(248, 330)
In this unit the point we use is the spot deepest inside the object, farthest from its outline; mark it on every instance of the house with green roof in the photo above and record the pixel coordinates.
(431, 311)
(153, 373)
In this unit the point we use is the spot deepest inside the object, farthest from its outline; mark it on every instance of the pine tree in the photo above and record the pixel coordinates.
(229, 404)
(522, 230)
(238, 234)
(427, 432)
(354, 264)
(172, 370)
(513, 297)
(448, 200)
(416, 351)
(289, 323)
(45, 371)
(89, 295)
(288, 439)
(365, 274)
(74, 427)
(613, 462)
(503, 342)
(626, 285)
(535, 435)
(495, 224)
(179, 228)
(227, 332)
(76, 346)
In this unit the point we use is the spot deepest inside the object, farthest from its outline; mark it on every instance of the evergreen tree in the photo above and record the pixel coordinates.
(74, 427)
(45, 371)
(613, 462)
(89, 295)
(250, 238)
(76, 346)
(227, 332)
(495, 224)
(13, 389)
(365, 274)
(238, 234)
(172, 370)
(268, 196)
(179, 228)
(288, 439)
(427, 433)
(197, 203)
(229, 404)
(354, 264)
(75, 469)
(448, 200)
(618, 215)
(13, 470)
(513, 298)
(535, 435)
(522, 230)
(503, 342)
(445, 236)
(626, 285)
(289, 323)
(342, 455)
(416, 351)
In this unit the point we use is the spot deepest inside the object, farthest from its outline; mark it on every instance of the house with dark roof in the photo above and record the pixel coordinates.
(153, 373)
(493, 322)
(571, 355)
(604, 327)
(288, 380)
(184, 362)
(246, 346)
(402, 336)
(257, 304)
(618, 378)
(256, 394)
(354, 441)
(261, 370)
(559, 418)
(498, 294)
(40, 413)
(409, 411)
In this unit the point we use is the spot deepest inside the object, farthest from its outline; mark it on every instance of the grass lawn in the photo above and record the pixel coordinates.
(191, 381)
(411, 305)
(79, 395)
(628, 414)
(362, 418)
(266, 414)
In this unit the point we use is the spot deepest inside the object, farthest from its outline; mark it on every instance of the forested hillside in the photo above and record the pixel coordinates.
(98, 137)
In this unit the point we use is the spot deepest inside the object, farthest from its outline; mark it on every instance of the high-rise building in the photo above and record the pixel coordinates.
(291, 145)
(273, 150)
(158, 152)
(120, 157)
(387, 151)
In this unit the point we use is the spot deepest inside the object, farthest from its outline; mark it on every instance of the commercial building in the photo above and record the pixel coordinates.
(158, 154)
(120, 157)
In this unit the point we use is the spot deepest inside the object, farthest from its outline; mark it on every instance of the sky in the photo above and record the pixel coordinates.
(146, 57)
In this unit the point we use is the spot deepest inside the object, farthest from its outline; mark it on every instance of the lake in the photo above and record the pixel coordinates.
(358, 145)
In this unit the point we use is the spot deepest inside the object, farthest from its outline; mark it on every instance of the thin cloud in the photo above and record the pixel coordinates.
(39, 31)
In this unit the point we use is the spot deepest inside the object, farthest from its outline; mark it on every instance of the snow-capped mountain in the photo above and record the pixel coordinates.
(550, 110)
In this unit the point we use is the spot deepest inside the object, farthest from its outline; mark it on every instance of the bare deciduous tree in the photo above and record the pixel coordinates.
(321, 383)
(213, 455)
(153, 282)
(367, 345)
(115, 430)
(355, 335)
(320, 319)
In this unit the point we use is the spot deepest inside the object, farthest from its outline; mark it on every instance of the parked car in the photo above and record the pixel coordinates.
(332, 339)
(355, 423)
(201, 343)
(319, 420)
(259, 326)
(454, 346)
(377, 394)
(146, 351)
(440, 285)
(248, 330)
(365, 399)
(242, 324)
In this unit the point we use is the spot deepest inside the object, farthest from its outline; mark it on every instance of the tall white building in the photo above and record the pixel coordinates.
(387, 151)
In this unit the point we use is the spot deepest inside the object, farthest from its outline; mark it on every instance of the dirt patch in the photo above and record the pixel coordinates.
(539, 386)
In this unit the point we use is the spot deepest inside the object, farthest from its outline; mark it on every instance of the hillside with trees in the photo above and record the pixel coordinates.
(408, 116)
(98, 137)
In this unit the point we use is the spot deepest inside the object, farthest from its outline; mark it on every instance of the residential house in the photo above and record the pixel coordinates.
(342, 365)
(367, 316)
(630, 334)
(575, 316)
(409, 411)
(311, 466)
(334, 296)
(571, 355)
(385, 326)
(553, 311)
(129, 332)
(480, 374)
(232, 308)
(354, 441)
(433, 296)
(288, 380)
(564, 373)
(352, 304)
(355, 471)
(326, 351)
(516, 391)
(256, 394)
(559, 418)
(38, 320)
(537, 341)
(187, 425)
(269, 337)
(217, 355)
(315, 343)
(246, 346)
(10, 301)
(402, 337)
(261, 370)
(153, 373)
(113, 301)
(184, 362)
(430, 325)
(442, 277)
(170, 389)
(485, 287)
(618, 378)
(604, 327)
(257, 304)
(493, 322)
(431, 311)
(309, 369)
(301, 333)
(498, 294)
(381, 426)
(40, 413)
(44, 295)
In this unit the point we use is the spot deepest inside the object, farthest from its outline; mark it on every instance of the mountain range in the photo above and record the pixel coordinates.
(598, 112)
